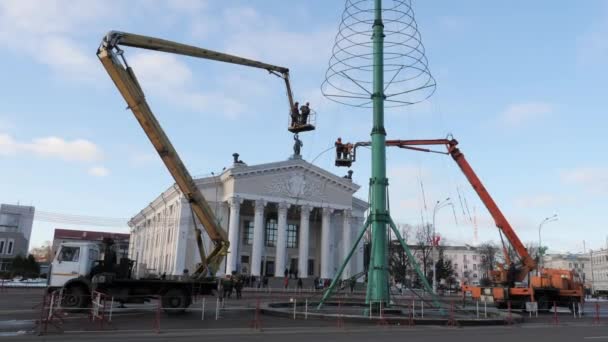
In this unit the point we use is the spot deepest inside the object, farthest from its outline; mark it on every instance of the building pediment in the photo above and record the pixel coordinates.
(291, 180)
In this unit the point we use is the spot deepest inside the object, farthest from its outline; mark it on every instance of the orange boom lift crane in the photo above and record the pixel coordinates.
(562, 287)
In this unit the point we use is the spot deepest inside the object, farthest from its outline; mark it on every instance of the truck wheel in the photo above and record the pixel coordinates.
(74, 297)
(175, 301)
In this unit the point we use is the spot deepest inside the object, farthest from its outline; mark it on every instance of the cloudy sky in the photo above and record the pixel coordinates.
(521, 85)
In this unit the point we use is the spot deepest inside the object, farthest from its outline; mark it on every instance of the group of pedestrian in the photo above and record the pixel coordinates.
(299, 115)
(230, 283)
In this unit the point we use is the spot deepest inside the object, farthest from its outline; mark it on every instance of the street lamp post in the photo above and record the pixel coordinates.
(540, 254)
(438, 205)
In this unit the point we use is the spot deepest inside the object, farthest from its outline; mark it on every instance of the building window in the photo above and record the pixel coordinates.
(474, 275)
(9, 247)
(474, 266)
(475, 257)
(2, 242)
(466, 267)
(248, 233)
(292, 236)
(271, 233)
(9, 220)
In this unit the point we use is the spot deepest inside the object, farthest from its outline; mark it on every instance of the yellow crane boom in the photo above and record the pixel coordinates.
(113, 60)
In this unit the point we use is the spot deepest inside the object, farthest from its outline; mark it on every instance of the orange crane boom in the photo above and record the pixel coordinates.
(528, 264)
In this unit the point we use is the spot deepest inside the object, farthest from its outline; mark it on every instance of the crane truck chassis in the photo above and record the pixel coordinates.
(76, 269)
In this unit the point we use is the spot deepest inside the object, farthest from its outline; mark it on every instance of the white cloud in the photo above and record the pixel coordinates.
(592, 179)
(52, 147)
(166, 76)
(45, 31)
(520, 113)
(99, 171)
(251, 34)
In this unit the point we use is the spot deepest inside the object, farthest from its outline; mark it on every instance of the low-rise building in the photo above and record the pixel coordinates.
(15, 230)
(284, 216)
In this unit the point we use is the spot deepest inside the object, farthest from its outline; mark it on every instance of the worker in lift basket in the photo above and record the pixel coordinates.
(339, 148)
(295, 114)
(304, 112)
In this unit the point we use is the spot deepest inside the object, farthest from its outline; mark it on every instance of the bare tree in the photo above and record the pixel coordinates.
(399, 262)
(424, 249)
(43, 253)
(489, 253)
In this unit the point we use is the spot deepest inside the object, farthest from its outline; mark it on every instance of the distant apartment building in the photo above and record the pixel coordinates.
(599, 270)
(466, 262)
(15, 230)
(580, 263)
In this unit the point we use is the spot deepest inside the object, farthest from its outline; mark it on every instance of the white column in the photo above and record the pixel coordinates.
(347, 243)
(233, 234)
(303, 240)
(258, 238)
(281, 247)
(325, 242)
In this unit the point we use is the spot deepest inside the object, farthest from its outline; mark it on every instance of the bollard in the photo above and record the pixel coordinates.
(422, 308)
(111, 309)
(574, 309)
(295, 304)
(477, 308)
(156, 325)
(217, 309)
(596, 320)
(340, 322)
(413, 307)
(510, 316)
(555, 318)
(370, 310)
(306, 309)
(485, 307)
(203, 310)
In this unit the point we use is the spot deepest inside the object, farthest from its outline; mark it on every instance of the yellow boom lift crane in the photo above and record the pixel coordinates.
(113, 59)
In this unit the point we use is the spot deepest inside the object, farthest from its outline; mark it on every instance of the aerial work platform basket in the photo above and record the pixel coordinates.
(301, 123)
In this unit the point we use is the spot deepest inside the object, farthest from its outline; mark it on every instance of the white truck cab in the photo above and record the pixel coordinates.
(73, 260)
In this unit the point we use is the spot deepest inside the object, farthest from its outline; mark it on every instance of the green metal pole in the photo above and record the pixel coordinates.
(338, 275)
(377, 285)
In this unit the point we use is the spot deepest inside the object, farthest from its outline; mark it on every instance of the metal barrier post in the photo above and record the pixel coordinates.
(596, 320)
(574, 309)
(422, 308)
(217, 309)
(306, 309)
(555, 318)
(203, 309)
(485, 307)
(295, 303)
(111, 309)
(477, 308)
(413, 307)
(156, 325)
(340, 322)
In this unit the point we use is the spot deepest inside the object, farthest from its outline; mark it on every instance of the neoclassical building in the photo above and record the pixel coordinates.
(284, 215)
